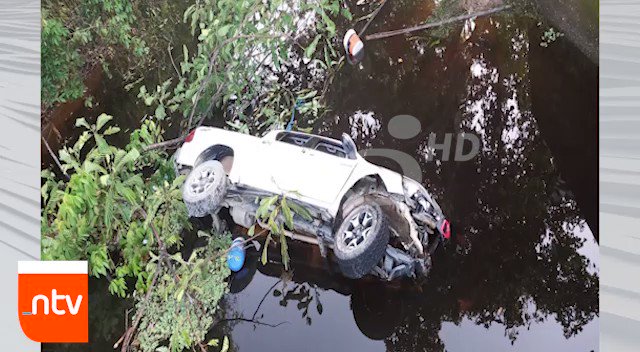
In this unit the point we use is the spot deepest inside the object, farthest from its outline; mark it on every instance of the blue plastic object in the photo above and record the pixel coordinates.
(236, 256)
(293, 114)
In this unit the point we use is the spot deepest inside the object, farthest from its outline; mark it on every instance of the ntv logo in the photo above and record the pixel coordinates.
(55, 297)
(52, 300)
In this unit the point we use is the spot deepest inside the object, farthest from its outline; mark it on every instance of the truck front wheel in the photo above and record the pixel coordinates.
(361, 240)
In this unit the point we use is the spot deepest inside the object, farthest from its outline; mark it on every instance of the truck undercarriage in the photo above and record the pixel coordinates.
(415, 235)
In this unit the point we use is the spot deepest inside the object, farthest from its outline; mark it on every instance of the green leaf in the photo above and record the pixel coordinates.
(273, 226)
(84, 137)
(160, 112)
(82, 122)
(126, 193)
(264, 249)
(303, 212)
(104, 180)
(185, 53)
(148, 100)
(265, 205)
(93, 167)
(225, 344)
(286, 211)
(311, 49)
(131, 156)
(330, 25)
(309, 94)
(179, 295)
(102, 120)
(178, 181)
(346, 13)
(103, 147)
(284, 250)
(111, 130)
(222, 31)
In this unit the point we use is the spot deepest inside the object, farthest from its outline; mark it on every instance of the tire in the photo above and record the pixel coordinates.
(205, 188)
(216, 152)
(361, 240)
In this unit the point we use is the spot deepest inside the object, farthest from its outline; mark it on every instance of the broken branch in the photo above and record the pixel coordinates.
(396, 32)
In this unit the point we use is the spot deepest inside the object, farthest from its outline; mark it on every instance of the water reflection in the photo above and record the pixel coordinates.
(518, 268)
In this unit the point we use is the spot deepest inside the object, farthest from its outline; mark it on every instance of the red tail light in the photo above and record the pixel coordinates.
(446, 229)
(190, 136)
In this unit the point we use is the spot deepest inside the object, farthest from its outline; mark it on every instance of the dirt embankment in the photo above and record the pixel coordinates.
(56, 125)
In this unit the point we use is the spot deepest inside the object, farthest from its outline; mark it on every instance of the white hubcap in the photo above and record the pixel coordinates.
(203, 180)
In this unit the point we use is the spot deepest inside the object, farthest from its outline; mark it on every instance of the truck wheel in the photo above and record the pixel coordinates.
(205, 188)
(361, 240)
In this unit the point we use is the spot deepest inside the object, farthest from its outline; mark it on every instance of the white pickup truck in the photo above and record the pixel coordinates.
(373, 219)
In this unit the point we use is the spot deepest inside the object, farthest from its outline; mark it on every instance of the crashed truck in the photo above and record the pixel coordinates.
(375, 221)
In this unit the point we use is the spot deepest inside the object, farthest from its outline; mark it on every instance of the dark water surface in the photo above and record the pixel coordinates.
(521, 273)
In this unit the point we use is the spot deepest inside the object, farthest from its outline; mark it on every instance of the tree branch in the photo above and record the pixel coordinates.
(396, 32)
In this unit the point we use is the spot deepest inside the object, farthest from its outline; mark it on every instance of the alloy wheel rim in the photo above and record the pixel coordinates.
(359, 229)
(202, 182)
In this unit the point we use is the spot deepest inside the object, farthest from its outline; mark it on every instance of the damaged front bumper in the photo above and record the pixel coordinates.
(418, 226)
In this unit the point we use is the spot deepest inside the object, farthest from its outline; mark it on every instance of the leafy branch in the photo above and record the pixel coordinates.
(276, 213)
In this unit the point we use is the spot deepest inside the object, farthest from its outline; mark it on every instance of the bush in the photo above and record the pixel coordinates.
(61, 64)
(80, 34)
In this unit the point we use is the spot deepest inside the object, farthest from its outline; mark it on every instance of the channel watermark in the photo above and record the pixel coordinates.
(457, 147)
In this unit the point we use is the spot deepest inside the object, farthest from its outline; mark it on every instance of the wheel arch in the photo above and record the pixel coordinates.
(363, 185)
(214, 152)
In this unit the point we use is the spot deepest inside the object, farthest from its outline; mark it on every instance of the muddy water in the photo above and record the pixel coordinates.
(521, 273)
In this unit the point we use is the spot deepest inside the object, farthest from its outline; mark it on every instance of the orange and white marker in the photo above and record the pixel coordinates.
(353, 47)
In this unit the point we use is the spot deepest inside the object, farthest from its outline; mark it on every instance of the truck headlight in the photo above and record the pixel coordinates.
(414, 190)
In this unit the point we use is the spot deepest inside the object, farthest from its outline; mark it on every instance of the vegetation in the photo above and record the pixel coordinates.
(247, 62)
(78, 35)
(108, 205)
(123, 212)
(268, 216)
(181, 308)
(549, 36)
(60, 78)
(120, 207)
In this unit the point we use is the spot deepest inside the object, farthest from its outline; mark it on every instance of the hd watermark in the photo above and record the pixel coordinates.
(462, 146)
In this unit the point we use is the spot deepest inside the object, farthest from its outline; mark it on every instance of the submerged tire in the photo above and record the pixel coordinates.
(361, 240)
(205, 188)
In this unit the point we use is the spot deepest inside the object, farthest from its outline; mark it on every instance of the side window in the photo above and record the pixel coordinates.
(331, 148)
(291, 138)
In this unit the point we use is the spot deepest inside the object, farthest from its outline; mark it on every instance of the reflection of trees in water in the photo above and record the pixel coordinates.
(521, 263)
(517, 260)
(302, 295)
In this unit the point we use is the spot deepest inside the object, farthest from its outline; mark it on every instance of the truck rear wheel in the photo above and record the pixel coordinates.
(205, 188)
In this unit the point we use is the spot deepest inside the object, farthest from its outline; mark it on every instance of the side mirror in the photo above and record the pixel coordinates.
(349, 146)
